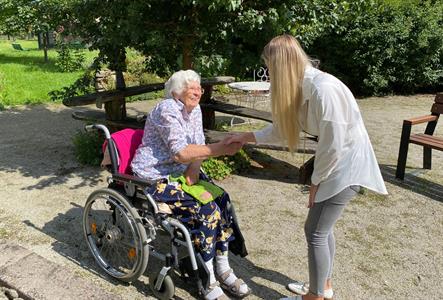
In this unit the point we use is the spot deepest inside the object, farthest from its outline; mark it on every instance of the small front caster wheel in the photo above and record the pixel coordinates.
(167, 289)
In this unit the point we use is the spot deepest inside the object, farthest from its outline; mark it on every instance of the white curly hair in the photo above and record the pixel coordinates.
(179, 81)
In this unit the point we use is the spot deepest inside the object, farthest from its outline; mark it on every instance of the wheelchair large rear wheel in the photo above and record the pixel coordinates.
(115, 235)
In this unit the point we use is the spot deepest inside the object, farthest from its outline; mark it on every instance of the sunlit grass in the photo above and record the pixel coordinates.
(26, 78)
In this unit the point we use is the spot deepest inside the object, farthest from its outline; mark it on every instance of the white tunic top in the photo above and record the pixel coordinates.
(344, 154)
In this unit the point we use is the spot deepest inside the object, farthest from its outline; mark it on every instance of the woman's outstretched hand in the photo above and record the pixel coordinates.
(234, 142)
(233, 138)
(242, 138)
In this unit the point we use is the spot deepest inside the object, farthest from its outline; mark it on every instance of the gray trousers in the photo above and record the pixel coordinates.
(319, 231)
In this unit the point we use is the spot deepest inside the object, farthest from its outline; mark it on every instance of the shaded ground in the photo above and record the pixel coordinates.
(387, 247)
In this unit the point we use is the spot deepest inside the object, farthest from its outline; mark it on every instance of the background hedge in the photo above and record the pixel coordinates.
(386, 47)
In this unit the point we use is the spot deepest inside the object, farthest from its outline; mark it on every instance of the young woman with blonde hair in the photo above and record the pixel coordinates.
(305, 98)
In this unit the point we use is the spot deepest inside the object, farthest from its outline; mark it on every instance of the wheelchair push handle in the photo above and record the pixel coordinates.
(101, 127)
(110, 144)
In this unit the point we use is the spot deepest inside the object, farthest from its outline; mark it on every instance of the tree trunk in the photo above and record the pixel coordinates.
(116, 109)
(208, 115)
(187, 53)
(45, 46)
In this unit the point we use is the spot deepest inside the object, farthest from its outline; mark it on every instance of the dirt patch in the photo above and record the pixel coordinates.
(386, 247)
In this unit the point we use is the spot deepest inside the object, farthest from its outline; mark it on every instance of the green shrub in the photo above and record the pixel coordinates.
(83, 85)
(148, 78)
(386, 47)
(136, 74)
(136, 69)
(88, 147)
(221, 167)
(69, 58)
(135, 62)
(222, 89)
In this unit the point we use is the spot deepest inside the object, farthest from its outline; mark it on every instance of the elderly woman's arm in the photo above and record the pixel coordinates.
(193, 152)
(169, 125)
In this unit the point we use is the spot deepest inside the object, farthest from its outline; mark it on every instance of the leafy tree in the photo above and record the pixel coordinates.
(213, 37)
(178, 34)
(227, 36)
(16, 16)
(39, 16)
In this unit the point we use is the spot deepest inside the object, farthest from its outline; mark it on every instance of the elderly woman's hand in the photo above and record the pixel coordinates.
(192, 172)
(231, 148)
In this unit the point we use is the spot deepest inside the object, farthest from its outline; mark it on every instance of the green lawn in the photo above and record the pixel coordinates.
(24, 76)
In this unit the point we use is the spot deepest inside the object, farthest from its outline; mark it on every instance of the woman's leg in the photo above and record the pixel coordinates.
(206, 229)
(225, 274)
(224, 235)
(203, 223)
(319, 233)
(331, 245)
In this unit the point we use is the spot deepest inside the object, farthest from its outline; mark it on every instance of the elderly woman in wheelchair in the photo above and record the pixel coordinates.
(168, 182)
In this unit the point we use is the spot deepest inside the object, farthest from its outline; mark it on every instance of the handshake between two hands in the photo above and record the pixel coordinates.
(228, 146)
(232, 144)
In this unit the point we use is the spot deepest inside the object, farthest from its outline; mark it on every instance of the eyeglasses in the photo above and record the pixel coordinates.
(202, 90)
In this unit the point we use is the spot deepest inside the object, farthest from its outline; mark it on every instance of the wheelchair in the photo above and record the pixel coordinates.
(121, 222)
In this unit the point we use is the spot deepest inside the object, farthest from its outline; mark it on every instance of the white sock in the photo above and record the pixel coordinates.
(222, 265)
(210, 265)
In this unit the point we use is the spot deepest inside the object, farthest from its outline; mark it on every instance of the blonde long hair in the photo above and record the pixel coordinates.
(286, 62)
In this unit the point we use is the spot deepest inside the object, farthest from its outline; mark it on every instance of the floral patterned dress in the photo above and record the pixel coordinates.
(169, 129)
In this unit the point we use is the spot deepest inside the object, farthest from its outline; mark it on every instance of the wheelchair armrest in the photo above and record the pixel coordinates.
(132, 179)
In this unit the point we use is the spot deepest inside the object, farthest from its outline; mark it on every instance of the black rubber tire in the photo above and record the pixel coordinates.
(167, 290)
(136, 230)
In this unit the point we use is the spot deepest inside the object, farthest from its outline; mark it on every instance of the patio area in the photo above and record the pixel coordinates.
(387, 247)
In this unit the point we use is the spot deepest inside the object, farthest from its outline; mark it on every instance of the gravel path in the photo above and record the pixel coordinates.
(388, 247)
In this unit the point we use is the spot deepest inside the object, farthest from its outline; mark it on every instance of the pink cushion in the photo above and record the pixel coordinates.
(127, 142)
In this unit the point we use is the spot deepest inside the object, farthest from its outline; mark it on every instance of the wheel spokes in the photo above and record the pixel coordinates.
(112, 229)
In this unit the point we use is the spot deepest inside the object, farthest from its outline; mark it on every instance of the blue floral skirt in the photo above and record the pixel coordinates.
(210, 225)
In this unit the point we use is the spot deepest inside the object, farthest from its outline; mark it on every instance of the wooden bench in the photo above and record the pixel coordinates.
(307, 145)
(236, 110)
(426, 139)
(97, 116)
(212, 136)
(208, 104)
(18, 47)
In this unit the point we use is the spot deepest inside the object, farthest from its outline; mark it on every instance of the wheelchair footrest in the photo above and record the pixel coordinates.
(201, 275)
